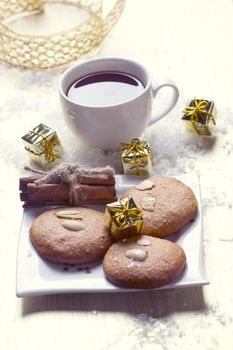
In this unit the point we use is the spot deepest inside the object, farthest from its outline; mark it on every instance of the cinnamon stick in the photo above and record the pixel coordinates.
(46, 192)
(24, 181)
(60, 192)
(90, 187)
(100, 179)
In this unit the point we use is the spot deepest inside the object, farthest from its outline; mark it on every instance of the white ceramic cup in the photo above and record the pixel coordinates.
(107, 126)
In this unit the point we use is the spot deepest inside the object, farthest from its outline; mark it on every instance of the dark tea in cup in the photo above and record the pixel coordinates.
(105, 89)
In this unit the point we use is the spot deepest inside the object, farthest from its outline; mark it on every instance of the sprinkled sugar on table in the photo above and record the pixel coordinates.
(190, 43)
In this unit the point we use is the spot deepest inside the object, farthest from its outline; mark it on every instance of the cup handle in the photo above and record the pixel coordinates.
(156, 86)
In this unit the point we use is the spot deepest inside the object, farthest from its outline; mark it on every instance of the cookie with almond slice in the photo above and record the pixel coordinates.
(71, 235)
(144, 262)
(167, 205)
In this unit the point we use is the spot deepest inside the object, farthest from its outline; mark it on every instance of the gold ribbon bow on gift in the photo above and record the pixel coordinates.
(49, 146)
(135, 147)
(125, 215)
(136, 151)
(198, 108)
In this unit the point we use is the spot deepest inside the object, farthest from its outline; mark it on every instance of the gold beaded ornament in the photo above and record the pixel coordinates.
(48, 51)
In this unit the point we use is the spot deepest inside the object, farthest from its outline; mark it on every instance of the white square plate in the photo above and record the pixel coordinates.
(36, 276)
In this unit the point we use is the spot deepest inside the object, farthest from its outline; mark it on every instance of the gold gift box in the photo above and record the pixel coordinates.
(137, 158)
(43, 145)
(198, 117)
(124, 219)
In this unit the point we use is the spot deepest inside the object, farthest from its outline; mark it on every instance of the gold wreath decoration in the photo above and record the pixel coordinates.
(48, 51)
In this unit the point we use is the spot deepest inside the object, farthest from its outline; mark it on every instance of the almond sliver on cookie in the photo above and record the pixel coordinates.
(73, 225)
(148, 203)
(145, 185)
(69, 214)
(144, 241)
(136, 254)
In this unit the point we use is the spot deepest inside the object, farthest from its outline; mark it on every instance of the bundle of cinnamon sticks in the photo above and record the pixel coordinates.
(97, 188)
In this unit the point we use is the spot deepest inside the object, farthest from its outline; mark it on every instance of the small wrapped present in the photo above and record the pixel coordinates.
(198, 117)
(42, 145)
(137, 158)
(124, 219)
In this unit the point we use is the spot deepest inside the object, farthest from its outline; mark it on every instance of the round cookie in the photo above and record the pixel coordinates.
(62, 238)
(167, 206)
(152, 263)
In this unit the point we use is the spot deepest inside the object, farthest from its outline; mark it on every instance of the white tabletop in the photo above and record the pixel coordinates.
(189, 42)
